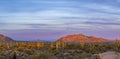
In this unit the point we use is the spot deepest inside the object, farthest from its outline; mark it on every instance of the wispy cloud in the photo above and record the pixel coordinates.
(60, 15)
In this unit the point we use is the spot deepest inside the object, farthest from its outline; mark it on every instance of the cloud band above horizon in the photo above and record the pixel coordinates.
(60, 16)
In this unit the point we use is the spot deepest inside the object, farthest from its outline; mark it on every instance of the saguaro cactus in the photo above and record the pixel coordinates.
(63, 45)
(51, 44)
(57, 44)
(14, 56)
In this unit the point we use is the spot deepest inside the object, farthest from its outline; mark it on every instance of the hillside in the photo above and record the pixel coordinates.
(4, 38)
(77, 38)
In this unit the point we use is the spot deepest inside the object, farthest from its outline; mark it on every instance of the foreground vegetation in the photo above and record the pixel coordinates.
(54, 50)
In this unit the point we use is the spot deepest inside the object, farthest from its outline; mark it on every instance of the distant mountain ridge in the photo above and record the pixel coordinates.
(79, 38)
(75, 38)
(4, 38)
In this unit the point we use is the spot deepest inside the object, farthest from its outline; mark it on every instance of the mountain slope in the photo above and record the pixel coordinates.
(5, 38)
(77, 38)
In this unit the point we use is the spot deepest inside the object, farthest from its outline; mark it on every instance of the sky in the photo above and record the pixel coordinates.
(52, 19)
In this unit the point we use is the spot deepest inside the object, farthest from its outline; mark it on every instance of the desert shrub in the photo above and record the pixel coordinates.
(39, 56)
(2, 49)
(80, 56)
(19, 49)
(1, 57)
(28, 51)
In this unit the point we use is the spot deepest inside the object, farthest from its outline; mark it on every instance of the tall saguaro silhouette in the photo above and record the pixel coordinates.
(14, 56)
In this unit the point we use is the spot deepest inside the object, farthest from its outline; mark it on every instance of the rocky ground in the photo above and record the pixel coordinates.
(110, 55)
(66, 54)
(56, 54)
